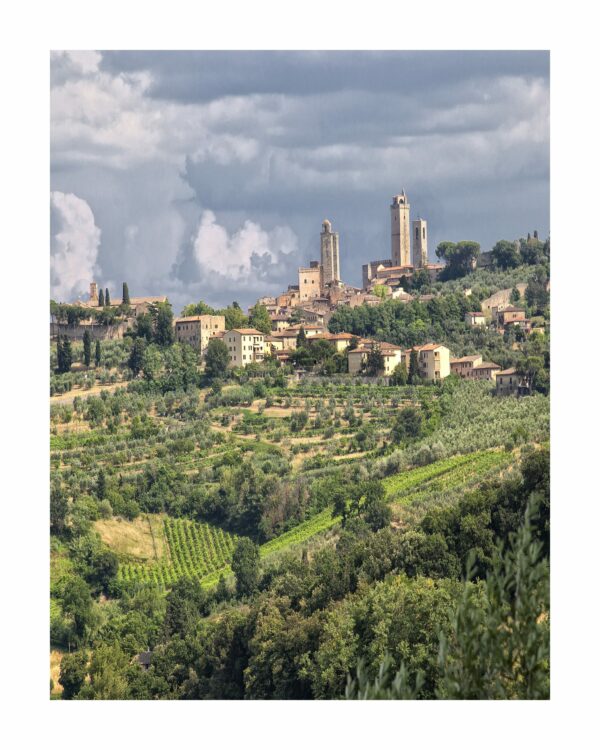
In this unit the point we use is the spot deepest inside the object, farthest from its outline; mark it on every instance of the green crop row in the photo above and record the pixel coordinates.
(194, 551)
(465, 475)
(407, 480)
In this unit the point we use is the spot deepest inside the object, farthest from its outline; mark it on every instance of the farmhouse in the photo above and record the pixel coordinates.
(434, 361)
(475, 319)
(357, 358)
(463, 366)
(511, 382)
(486, 371)
(245, 345)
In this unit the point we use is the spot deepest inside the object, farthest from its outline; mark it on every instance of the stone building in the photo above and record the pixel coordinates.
(500, 300)
(400, 226)
(98, 332)
(370, 270)
(486, 371)
(197, 330)
(463, 366)
(330, 255)
(309, 281)
(419, 233)
(512, 382)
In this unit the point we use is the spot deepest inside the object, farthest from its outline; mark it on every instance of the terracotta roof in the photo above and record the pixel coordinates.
(479, 314)
(309, 326)
(469, 358)
(247, 331)
(192, 318)
(510, 371)
(283, 334)
(487, 366)
(427, 347)
(512, 309)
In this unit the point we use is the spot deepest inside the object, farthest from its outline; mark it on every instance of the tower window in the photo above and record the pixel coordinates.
(423, 232)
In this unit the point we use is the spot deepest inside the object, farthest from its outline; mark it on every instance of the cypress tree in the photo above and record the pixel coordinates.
(65, 356)
(101, 298)
(98, 354)
(101, 485)
(125, 299)
(301, 338)
(107, 297)
(87, 348)
(59, 354)
(413, 368)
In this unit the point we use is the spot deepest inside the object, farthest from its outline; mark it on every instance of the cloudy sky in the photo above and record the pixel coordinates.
(206, 175)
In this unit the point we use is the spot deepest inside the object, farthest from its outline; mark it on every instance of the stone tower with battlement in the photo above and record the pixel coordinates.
(400, 216)
(419, 238)
(330, 254)
(93, 292)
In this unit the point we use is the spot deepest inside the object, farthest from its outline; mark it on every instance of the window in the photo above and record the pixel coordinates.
(423, 232)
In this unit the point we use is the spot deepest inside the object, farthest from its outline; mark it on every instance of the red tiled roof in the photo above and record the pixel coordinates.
(427, 347)
(469, 358)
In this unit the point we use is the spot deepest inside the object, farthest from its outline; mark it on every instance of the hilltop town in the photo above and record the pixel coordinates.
(302, 327)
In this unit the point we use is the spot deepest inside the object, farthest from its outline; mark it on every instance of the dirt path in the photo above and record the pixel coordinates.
(67, 398)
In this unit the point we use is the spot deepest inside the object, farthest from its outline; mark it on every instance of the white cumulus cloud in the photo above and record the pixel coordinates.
(74, 246)
(246, 256)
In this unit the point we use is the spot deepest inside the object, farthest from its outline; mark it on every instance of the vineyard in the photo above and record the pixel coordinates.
(194, 550)
(443, 475)
(414, 493)
(204, 552)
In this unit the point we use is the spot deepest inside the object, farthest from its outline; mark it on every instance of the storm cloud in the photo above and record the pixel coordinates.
(209, 173)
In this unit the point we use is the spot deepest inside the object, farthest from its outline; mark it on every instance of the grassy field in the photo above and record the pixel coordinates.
(141, 539)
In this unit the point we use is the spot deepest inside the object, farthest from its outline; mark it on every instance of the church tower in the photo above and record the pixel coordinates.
(330, 254)
(419, 235)
(400, 210)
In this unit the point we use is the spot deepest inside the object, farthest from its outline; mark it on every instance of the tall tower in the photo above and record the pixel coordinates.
(419, 235)
(330, 254)
(400, 209)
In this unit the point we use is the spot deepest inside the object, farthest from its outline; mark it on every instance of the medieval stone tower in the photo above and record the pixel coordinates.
(400, 210)
(330, 254)
(419, 236)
